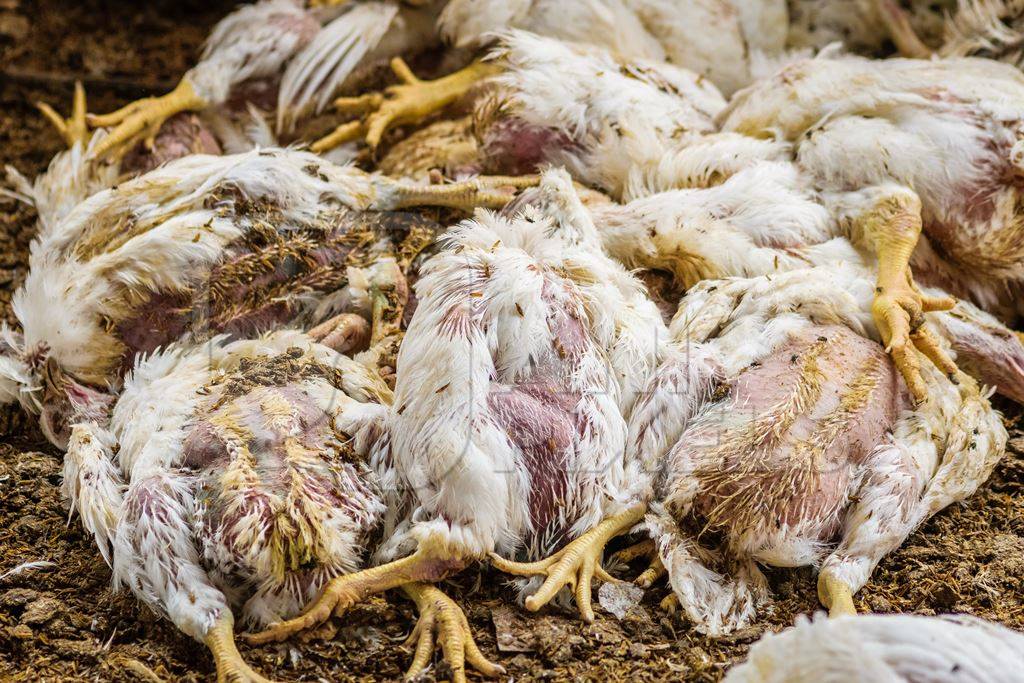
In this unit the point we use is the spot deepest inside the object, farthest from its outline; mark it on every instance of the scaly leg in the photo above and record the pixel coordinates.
(444, 620)
(655, 568)
(835, 595)
(409, 102)
(894, 226)
(345, 333)
(489, 192)
(230, 666)
(73, 129)
(428, 563)
(574, 565)
(143, 118)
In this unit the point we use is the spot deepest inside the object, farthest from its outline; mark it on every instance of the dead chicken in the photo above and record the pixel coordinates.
(277, 54)
(636, 131)
(890, 647)
(933, 146)
(786, 438)
(206, 245)
(237, 476)
(718, 39)
(507, 433)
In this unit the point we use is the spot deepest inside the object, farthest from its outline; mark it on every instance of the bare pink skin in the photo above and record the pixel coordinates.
(767, 481)
(512, 146)
(991, 353)
(181, 135)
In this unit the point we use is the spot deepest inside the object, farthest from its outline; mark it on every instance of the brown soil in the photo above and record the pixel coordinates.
(62, 622)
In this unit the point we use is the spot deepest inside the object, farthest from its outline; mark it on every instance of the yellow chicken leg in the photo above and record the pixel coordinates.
(443, 620)
(894, 226)
(72, 129)
(230, 666)
(409, 102)
(489, 192)
(835, 595)
(646, 549)
(428, 563)
(143, 118)
(574, 565)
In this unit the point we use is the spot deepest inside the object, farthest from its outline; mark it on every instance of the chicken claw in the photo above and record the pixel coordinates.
(655, 568)
(230, 666)
(342, 592)
(835, 595)
(408, 102)
(574, 565)
(143, 118)
(443, 619)
(894, 225)
(73, 129)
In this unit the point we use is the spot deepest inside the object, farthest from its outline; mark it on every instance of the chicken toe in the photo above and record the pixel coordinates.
(142, 119)
(575, 565)
(73, 129)
(408, 102)
(442, 619)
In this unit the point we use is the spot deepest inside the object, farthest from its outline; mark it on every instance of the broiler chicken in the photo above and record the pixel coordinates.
(718, 39)
(638, 130)
(938, 142)
(277, 54)
(892, 647)
(788, 439)
(236, 476)
(507, 434)
(207, 245)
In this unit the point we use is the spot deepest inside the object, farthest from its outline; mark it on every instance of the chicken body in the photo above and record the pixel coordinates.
(947, 131)
(206, 245)
(239, 480)
(889, 647)
(795, 443)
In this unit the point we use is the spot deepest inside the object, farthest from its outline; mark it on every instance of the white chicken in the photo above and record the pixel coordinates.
(278, 54)
(205, 245)
(719, 39)
(237, 475)
(890, 647)
(789, 440)
(756, 209)
(507, 433)
(935, 145)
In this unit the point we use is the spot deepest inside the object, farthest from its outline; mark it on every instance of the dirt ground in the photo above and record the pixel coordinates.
(60, 621)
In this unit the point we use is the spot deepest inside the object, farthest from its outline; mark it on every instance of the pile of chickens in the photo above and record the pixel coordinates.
(710, 274)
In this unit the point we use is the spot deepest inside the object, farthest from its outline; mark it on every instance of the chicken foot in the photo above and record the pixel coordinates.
(428, 563)
(142, 119)
(231, 668)
(408, 102)
(893, 226)
(74, 128)
(575, 565)
(646, 549)
(441, 619)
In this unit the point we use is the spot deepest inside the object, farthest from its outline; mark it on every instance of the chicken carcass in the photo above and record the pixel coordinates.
(719, 39)
(789, 440)
(507, 433)
(279, 54)
(206, 245)
(237, 476)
